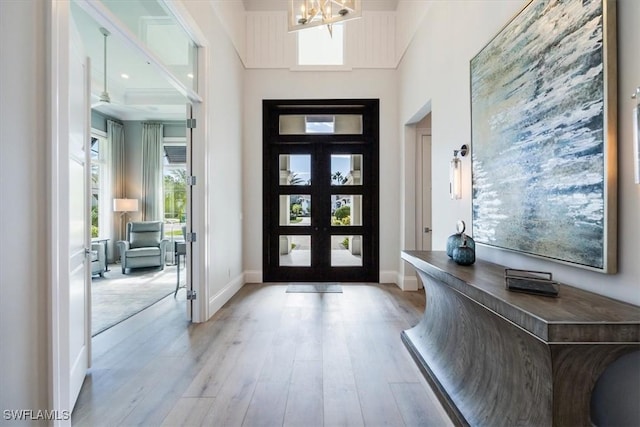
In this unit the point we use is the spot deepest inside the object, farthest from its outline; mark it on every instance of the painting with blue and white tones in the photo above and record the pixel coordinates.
(538, 139)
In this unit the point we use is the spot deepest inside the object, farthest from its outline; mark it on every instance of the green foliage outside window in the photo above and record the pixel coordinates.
(342, 212)
(342, 216)
(94, 221)
(175, 194)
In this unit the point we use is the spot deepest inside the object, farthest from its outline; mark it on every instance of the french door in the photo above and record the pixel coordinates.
(320, 208)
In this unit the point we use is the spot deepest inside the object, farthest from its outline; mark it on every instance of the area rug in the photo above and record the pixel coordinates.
(314, 288)
(116, 297)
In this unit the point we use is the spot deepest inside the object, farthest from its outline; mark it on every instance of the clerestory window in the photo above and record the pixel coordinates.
(316, 46)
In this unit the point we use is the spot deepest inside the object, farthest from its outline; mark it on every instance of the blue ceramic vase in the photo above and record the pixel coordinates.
(455, 240)
(464, 254)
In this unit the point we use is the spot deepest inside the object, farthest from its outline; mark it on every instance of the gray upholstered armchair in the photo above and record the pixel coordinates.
(98, 260)
(145, 245)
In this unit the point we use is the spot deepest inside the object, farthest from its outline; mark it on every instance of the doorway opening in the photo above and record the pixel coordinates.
(140, 160)
(120, 290)
(320, 207)
(423, 184)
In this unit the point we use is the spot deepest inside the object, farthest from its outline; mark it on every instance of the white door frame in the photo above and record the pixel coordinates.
(67, 375)
(58, 211)
(58, 19)
(407, 278)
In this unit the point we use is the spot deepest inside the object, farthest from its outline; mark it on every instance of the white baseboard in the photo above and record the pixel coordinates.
(253, 276)
(409, 283)
(388, 276)
(406, 283)
(218, 300)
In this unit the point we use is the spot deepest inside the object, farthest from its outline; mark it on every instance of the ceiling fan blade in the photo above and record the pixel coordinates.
(102, 99)
(104, 96)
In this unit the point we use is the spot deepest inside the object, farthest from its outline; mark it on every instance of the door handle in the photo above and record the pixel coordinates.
(427, 230)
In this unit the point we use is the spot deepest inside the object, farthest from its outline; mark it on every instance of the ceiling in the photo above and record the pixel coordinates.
(144, 95)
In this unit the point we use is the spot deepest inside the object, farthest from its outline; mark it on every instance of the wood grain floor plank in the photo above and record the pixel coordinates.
(266, 358)
(378, 405)
(278, 364)
(305, 405)
(267, 405)
(415, 406)
(235, 394)
(188, 412)
(341, 405)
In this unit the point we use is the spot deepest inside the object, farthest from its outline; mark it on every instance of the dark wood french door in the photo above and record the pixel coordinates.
(320, 189)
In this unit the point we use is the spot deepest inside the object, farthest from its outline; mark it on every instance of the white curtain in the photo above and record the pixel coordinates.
(152, 197)
(115, 140)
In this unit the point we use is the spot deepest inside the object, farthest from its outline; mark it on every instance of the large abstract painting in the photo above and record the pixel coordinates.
(543, 134)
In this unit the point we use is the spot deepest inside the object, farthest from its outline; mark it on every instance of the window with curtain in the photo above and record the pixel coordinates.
(100, 185)
(152, 170)
(175, 185)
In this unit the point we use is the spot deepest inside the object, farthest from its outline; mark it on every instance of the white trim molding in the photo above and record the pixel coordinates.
(253, 276)
(408, 283)
(217, 301)
(389, 276)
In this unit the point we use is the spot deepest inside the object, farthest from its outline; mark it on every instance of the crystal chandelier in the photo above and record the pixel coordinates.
(312, 13)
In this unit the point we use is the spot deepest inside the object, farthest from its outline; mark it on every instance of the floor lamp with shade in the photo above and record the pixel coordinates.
(124, 206)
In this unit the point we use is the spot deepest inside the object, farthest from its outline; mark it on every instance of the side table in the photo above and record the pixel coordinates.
(180, 249)
(106, 251)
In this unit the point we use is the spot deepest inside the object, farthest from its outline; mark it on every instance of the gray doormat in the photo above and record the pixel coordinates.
(318, 288)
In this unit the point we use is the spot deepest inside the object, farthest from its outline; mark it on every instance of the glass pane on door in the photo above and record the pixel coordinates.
(295, 209)
(156, 27)
(295, 251)
(346, 210)
(346, 251)
(346, 169)
(295, 169)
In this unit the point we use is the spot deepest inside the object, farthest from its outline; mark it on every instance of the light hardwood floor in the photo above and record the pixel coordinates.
(267, 358)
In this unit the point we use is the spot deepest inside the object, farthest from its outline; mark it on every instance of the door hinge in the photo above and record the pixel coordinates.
(191, 180)
(191, 123)
(191, 294)
(190, 237)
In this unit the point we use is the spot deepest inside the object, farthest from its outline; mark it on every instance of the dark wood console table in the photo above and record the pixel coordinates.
(497, 357)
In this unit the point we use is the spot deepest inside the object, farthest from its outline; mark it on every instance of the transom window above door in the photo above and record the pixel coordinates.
(303, 124)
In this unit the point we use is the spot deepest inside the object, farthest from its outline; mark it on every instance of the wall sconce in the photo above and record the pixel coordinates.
(455, 172)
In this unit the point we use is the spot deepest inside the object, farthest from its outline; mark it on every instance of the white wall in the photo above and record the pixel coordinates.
(222, 157)
(439, 72)
(435, 69)
(284, 84)
(232, 17)
(369, 42)
(409, 15)
(24, 287)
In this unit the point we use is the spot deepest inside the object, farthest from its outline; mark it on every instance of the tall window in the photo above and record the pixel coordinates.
(317, 47)
(100, 179)
(175, 186)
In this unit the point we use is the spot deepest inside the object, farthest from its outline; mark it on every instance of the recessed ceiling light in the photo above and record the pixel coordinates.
(124, 76)
(190, 75)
